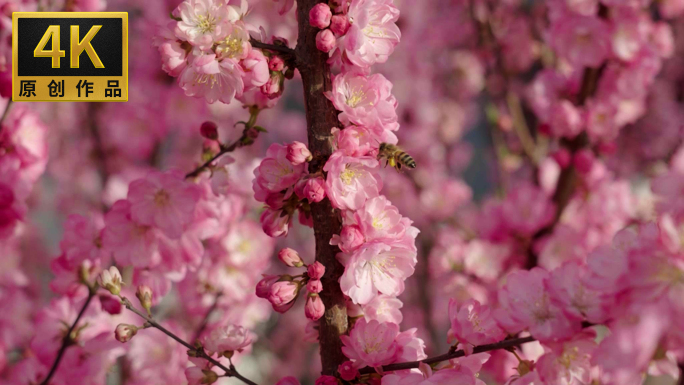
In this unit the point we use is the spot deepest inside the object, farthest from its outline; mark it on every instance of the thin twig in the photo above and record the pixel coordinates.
(520, 127)
(198, 352)
(448, 356)
(205, 320)
(67, 340)
(5, 113)
(285, 51)
(242, 141)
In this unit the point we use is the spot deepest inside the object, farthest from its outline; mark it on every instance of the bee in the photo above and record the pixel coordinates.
(395, 156)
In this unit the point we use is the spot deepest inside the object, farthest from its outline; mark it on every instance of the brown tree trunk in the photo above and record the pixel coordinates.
(321, 117)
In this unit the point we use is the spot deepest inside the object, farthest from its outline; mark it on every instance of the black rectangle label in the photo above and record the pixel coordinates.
(107, 43)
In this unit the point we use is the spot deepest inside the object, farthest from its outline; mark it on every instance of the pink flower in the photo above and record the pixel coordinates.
(410, 347)
(255, 66)
(275, 223)
(276, 172)
(565, 119)
(527, 209)
(314, 308)
(348, 371)
(325, 40)
(379, 220)
(351, 181)
(173, 54)
(163, 200)
(364, 100)
(297, 153)
(202, 22)
(290, 257)
(125, 332)
(320, 16)
(376, 268)
(110, 304)
(276, 63)
(350, 238)
(130, 243)
(283, 293)
(383, 309)
(472, 324)
(315, 270)
(339, 24)
(568, 362)
(566, 287)
(583, 40)
(228, 339)
(525, 304)
(209, 130)
(207, 77)
(82, 239)
(356, 140)
(372, 34)
(371, 343)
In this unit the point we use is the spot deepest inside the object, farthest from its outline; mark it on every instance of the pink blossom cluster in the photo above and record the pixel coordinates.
(207, 47)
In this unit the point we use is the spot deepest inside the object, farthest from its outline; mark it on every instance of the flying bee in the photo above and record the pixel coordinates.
(395, 156)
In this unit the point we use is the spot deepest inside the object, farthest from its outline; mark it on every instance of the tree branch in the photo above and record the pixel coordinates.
(198, 352)
(285, 51)
(448, 356)
(321, 117)
(68, 340)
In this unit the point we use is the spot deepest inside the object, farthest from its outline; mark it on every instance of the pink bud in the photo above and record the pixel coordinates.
(583, 161)
(316, 270)
(314, 308)
(314, 286)
(275, 200)
(290, 257)
(297, 153)
(326, 380)
(320, 16)
(263, 288)
(110, 304)
(314, 189)
(283, 292)
(347, 371)
(339, 24)
(274, 223)
(562, 157)
(276, 63)
(272, 87)
(198, 376)
(283, 308)
(325, 40)
(124, 332)
(209, 130)
(299, 188)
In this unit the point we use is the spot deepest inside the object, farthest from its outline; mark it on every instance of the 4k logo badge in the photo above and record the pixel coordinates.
(70, 56)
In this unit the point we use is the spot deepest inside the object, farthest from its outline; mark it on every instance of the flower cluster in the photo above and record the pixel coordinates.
(207, 47)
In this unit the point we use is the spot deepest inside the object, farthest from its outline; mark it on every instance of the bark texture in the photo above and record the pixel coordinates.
(321, 117)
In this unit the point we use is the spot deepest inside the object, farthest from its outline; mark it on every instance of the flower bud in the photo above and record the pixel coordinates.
(347, 371)
(320, 16)
(297, 153)
(325, 40)
(110, 304)
(314, 286)
(314, 308)
(276, 63)
(209, 130)
(290, 257)
(562, 157)
(314, 189)
(263, 288)
(283, 292)
(351, 238)
(124, 332)
(144, 294)
(199, 376)
(110, 279)
(315, 270)
(274, 223)
(339, 24)
(283, 308)
(273, 88)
